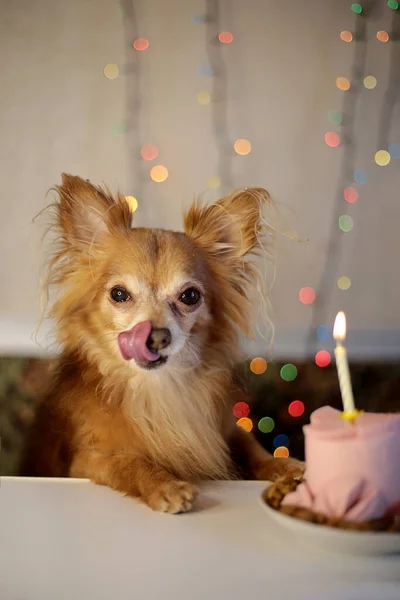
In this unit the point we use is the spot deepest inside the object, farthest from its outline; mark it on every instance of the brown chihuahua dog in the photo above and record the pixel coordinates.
(148, 322)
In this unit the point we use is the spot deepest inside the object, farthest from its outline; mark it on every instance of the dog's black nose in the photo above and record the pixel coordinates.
(158, 339)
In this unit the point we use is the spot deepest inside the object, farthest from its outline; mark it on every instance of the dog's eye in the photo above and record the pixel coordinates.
(119, 294)
(190, 297)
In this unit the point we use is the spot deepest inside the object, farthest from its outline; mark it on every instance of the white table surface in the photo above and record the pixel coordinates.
(69, 539)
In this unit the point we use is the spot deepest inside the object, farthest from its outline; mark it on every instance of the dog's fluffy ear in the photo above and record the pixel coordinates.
(231, 232)
(232, 227)
(85, 210)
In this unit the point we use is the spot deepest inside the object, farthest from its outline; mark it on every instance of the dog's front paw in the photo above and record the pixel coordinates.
(277, 468)
(172, 497)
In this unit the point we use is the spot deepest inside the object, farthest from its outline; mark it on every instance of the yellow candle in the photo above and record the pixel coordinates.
(342, 365)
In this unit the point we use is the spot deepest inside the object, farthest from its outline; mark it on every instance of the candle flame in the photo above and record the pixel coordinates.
(339, 328)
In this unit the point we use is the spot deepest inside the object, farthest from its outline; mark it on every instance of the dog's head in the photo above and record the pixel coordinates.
(149, 298)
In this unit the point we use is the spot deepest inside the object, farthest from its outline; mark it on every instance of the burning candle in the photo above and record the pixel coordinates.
(339, 334)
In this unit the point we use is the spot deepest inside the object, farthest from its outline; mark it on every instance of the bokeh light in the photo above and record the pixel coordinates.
(393, 4)
(296, 408)
(245, 423)
(360, 176)
(370, 82)
(213, 182)
(281, 452)
(350, 195)
(205, 71)
(394, 150)
(241, 410)
(242, 147)
(307, 295)
(332, 139)
(159, 173)
(346, 223)
(225, 37)
(198, 19)
(149, 152)
(266, 425)
(335, 117)
(382, 36)
(344, 282)
(323, 358)
(382, 158)
(111, 71)
(118, 128)
(203, 98)
(324, 333)
(342, 83)
(346, 36)
(133, 203)
(141, 44)
(258, 365)
(357, 8)
(281, 440)
(288, 372)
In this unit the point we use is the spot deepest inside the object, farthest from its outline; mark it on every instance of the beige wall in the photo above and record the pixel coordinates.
(57, 113)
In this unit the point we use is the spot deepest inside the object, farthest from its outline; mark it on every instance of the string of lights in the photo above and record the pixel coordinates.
(351, 176)
(214, 95)
(133, 100)
(216, 40)
(346, 193)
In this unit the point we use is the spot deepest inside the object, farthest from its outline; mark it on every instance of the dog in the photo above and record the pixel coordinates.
(149, 322)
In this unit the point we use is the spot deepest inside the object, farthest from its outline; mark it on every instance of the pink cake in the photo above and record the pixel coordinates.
(352, 468)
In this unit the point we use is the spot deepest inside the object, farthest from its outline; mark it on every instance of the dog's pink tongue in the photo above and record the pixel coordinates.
(132, 343)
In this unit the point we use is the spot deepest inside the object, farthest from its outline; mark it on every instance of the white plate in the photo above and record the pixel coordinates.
(372, 543)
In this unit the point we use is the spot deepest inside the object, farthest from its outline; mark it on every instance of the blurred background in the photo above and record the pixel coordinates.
(168, 100)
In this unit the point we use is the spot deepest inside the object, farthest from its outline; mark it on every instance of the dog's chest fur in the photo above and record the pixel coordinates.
(179, 418)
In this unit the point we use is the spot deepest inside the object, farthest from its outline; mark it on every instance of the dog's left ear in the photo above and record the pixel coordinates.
(84, 211)
(231, 232)
(232, 227)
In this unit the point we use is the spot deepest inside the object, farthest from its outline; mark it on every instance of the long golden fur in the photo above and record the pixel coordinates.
(151, 433)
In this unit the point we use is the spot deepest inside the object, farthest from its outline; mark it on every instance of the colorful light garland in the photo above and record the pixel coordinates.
(245, 423)
(266, 425)
(382, 158)
(225, 37)
(281, 452)
(370, 82)
(382, 36)
(296, 408)
(242, 147)
(159, 173)
(258, 365)
(360, 176)
(141, 44)
(149, 152)
(350, 194)
(323, 358)
(332, 139)
(288, 372)
(281, 440)
(344, 282)
(111, 71)
(241, 410)
(307, 295)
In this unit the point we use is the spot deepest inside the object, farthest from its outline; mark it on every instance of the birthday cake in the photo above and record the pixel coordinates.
(352, 477)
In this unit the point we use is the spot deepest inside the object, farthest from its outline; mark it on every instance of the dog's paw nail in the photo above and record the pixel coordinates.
(173, 497)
